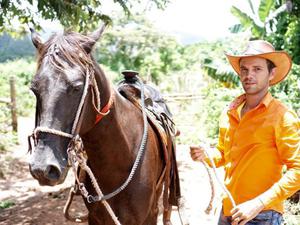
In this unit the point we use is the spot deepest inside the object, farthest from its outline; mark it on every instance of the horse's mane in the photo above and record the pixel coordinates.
(66, 51)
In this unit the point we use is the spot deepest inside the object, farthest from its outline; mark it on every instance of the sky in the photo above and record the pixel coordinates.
(189, 20)
(192, 20)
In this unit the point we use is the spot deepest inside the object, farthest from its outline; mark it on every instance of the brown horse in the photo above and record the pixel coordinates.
(75, 99)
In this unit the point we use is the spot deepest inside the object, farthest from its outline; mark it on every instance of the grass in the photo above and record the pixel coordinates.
(6, 204)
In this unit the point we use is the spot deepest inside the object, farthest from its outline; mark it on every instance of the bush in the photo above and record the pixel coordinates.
(23, 71)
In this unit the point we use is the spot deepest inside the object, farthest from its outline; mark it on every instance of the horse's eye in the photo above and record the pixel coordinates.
(77, 87)
(74, 88)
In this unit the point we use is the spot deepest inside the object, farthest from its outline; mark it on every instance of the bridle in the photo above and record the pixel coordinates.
(75, 146)
(76, 153)
(89, 80)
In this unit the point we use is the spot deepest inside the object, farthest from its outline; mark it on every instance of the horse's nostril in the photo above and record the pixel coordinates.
(52, 172)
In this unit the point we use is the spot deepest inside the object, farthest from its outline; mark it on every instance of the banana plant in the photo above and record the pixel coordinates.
(256, 20)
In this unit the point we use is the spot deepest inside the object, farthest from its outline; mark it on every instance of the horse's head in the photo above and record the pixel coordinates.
(61, 87)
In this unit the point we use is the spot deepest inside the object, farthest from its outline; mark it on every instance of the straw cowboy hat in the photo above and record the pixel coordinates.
(264, 49)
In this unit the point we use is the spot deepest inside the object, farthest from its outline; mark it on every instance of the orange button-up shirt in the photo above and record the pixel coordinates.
(253, 150)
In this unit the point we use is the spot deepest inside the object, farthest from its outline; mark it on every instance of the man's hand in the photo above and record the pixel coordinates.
(246, 211)
(197, 153)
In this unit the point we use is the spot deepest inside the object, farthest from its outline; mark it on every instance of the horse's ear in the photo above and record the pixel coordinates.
(35, 38)
(94, 37)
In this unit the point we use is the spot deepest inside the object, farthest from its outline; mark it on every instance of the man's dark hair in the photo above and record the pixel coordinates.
(270, 65)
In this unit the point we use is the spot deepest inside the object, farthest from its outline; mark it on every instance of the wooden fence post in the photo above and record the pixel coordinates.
(13, 104)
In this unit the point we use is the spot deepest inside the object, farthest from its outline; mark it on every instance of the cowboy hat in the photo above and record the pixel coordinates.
(264, 49)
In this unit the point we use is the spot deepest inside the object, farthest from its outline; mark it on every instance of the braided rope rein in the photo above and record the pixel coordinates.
(75, 159)
(224, 188)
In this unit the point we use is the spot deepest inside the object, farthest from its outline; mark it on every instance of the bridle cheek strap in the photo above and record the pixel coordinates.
(96, 105)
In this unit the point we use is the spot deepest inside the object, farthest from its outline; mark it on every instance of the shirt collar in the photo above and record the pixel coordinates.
(267, 99)
(240, 99)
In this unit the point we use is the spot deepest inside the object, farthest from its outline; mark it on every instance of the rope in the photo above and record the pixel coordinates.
(99, 192)
(209, 207)
(218, 179)
(75, 155)
(76, 144)
(85, 90)
(98, 100)
(138, 157)
(51, 131)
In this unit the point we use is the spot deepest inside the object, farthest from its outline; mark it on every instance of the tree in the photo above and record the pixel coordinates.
(255, 21)
(12, 49)
(135, 44)
(276, 21)
(78, 15)
(287, 31)
(282, 30)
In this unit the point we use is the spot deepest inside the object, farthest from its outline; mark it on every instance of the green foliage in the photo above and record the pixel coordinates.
(265, 8)
(216, 100)
(215, 63)
(255, 20)
(246, 22)
(223, 74)
(282, 30)
(287, 32)
(288, 90)
(78, 15)
(23, 71)
(6, 204)
(15, 48)
(135, 44)
(7, 138)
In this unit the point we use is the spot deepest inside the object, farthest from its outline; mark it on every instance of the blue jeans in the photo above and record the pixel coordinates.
(268, 217)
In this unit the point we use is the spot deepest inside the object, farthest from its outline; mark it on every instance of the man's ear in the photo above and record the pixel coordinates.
(272, 73)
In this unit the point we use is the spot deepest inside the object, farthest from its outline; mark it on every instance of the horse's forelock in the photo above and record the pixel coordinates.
(65, 51)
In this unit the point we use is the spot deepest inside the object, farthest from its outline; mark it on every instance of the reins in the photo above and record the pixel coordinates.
(224, 188)
(76, 153)
(138, 157)
(75, 147)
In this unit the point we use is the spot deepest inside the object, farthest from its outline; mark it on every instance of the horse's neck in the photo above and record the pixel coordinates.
(119, 132)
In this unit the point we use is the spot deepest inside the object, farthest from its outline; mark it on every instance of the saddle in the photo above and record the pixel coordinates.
(160, 119)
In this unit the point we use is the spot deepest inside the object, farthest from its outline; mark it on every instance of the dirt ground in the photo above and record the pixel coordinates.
(37, 205)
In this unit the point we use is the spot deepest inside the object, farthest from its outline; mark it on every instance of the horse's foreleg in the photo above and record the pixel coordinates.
(167, 215)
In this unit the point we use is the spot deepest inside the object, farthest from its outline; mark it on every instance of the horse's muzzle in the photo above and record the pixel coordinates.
(46, 175)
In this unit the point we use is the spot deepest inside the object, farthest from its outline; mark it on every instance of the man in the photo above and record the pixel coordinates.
(258, 136)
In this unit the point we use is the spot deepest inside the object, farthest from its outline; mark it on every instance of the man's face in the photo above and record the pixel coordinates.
(255, 76)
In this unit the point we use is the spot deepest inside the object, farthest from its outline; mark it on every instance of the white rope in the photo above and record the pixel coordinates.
(98, 100)
(61, 133)
(51, 131)
(72, 135)
(218, 179)
(75, 154)
(85, 90)
(100, 194)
